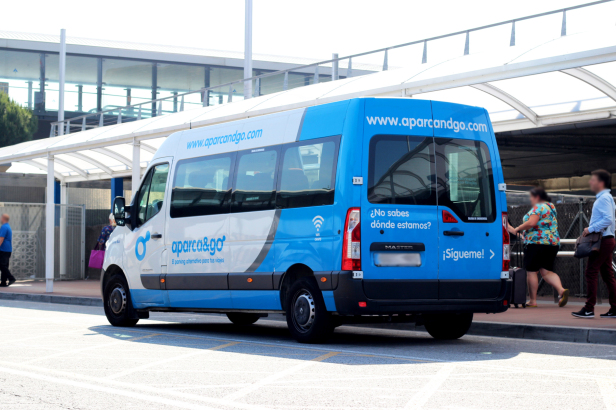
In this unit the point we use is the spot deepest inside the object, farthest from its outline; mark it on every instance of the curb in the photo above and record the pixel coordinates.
(478, 328)
(522, 331)
(44, 298)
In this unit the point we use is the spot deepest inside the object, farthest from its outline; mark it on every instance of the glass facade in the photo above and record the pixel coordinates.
(100, 83)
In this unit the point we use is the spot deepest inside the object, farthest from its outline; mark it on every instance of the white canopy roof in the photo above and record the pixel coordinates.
(566, 80)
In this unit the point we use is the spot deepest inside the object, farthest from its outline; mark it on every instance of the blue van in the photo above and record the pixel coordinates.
(388, 209)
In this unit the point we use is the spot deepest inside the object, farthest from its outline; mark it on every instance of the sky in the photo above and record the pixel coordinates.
(311, 29)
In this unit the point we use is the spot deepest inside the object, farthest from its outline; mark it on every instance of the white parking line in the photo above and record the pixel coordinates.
(419, 399)
(108, 390)
(608, 392)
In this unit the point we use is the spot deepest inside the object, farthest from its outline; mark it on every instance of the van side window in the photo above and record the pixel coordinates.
(307, 175)
(202, 186)
(254, 188)
(152, 193)
(465, 181)
(401, 170)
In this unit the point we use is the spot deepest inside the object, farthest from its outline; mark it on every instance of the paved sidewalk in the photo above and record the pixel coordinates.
(546, 322)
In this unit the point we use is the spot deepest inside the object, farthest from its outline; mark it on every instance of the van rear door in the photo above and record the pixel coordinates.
(470, 231)
(398, 211)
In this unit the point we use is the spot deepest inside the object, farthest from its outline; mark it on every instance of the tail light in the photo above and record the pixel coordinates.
(506, 244)
(448, 218)
(351, 249)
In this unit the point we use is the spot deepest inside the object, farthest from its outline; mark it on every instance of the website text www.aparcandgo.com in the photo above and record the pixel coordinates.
(234, 138)
(456, 126)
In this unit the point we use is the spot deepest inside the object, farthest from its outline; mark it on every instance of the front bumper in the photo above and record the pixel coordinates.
(349, 292)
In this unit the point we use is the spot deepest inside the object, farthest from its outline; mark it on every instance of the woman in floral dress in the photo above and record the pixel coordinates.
(542, 242)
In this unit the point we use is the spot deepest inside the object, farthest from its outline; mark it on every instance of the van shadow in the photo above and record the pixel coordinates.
(355, 343)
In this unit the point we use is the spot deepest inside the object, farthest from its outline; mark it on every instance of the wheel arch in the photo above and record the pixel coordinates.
(292, 274)
(108, 273)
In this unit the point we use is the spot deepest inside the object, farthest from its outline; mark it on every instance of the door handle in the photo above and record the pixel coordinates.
(157, 235)
(453, 233)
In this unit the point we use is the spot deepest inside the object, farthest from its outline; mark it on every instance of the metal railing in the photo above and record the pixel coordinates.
(277, 81)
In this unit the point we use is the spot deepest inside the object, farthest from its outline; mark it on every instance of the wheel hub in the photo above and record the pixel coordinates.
(117, 300)
(304, 310)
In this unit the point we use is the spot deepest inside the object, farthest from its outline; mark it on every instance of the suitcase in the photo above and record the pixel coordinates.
(518, 276)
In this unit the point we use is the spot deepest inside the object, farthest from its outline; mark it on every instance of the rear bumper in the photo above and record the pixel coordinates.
(350, 292)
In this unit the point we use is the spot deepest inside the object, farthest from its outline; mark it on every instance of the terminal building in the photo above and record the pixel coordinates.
(102, 75)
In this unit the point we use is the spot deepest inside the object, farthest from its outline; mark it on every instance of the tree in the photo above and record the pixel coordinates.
(17, 124)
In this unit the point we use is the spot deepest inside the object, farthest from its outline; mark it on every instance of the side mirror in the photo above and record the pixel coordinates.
(118, 211)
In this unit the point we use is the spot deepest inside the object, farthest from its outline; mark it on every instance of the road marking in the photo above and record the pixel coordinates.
(93, 347)
(126, 385)
(168, 360)
(324, 357)
(112, 391)
(277, 376)
(286, 345)
(420, 398)
(608, 392)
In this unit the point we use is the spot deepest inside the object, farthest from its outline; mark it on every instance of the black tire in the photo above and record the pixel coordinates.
(448, 326)
(118, 304)
(307, 316)
(243, 319)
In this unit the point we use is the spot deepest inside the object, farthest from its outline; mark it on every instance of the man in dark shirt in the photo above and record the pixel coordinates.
(6, 247)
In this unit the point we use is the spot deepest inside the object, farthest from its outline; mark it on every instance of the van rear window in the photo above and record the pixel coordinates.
(401, 170)
(465, 181)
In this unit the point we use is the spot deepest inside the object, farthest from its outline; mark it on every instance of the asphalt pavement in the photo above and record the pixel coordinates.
(58, 356)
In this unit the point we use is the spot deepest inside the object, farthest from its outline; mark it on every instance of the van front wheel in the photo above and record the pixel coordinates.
(307, 316)
(448, 326)
(118, 304)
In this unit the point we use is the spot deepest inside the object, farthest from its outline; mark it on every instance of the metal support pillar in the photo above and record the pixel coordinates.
(154, 87)
(182, 104)
(385, 62)
(466, 44)
(29, 95)
(285, 82)
(99, 84)
(563, 29)
(512, 40)
(49, 226)
(350, 68)
(62, 77)
(175, 101)
(257, 90)
(581, 230)
(136, 166)
(230, 94)
(424, 57)
(117, 189)
(129, 101)
(80, 98)
(40, 100)
(63, 200)
(316, 75)
(206, 93)
(248, 48)
(335, 74)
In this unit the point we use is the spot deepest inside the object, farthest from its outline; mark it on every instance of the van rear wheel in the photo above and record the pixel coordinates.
(243, 319)
(307, 316)
(448, 326)
(117, 302)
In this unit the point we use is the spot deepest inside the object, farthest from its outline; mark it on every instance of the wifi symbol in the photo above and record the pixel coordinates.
(318, 221)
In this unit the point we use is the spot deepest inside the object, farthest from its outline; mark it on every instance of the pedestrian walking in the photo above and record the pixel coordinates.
(541, 245)
(105, 233)
(601, 220)
(6, 248)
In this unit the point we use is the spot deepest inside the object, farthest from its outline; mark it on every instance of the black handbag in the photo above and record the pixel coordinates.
(586, 245)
